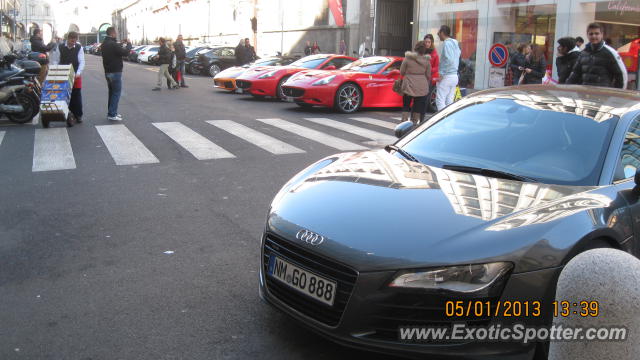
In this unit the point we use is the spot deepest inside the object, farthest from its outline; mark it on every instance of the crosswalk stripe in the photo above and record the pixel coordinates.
(373, 135)
(52, 150)
(328, 140)
(1, 136)
(199, 146)
(396, 118)
(124, 147)
(384, 124)
(259, 139)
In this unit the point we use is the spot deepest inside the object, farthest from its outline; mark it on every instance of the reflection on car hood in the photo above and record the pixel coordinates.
(376, 209)
(231, 73)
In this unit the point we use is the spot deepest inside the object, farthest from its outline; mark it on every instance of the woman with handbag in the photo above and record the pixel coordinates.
(416, 70)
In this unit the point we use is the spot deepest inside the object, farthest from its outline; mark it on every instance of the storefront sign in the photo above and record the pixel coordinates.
(498, 55)
(620, 11)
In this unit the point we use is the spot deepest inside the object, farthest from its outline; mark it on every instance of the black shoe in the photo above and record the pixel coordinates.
(184, 86)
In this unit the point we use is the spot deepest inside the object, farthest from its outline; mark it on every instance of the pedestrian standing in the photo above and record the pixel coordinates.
(433, 54)
(315, 49)
(240, 53)
(249, 52)
(598, 64)
(343, 48)
(535, 65)
(164, 59)
(112, 53)
(416, 72)
(37, 45)
(71, 53)
(308, 48)
(516, 64)
(181, 56)
(449, 63)
(568, 54)
(579, 42)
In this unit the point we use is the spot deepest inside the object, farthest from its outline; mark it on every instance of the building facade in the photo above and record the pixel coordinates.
(37, 14)
(9, 11)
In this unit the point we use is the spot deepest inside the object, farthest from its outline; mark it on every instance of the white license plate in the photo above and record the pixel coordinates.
(239, 91)
(288, 99)
(308, 283)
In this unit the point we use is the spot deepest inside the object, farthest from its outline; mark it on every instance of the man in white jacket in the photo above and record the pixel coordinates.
(448, 69)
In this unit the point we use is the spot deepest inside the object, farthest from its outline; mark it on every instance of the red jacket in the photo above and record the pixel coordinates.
(435, 62)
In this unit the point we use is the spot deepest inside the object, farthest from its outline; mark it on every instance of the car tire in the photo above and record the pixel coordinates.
(348, 98)
(214, 69)
(431, 100)
(191, 69)
(279, 92)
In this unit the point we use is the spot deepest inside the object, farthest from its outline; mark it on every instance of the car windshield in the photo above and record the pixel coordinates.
(370, 65)
(310, 62)
(154, 49)
(528, 139)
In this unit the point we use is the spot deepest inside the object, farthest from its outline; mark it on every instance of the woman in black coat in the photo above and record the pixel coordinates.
(535, 66)
(517, 63)
(568, 54)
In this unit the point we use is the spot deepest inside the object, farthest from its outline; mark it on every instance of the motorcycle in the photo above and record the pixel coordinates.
(19, 98)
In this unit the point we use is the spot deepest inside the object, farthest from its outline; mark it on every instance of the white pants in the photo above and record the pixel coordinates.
(164, 73)
(446, 91)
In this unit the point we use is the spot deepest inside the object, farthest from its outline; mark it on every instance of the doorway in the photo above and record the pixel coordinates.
(395, 26)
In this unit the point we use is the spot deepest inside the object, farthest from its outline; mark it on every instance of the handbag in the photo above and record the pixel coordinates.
(397, 87)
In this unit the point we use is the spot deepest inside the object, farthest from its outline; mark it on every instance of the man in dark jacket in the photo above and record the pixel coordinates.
(240, 53)
(37, 45)
(164, 59)
(249, 52)
(112, 53)
(181, 55)
(568, 54)
(598, 64)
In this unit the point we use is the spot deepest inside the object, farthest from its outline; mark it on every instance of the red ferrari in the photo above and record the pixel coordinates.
(267, 80)
(367, 82)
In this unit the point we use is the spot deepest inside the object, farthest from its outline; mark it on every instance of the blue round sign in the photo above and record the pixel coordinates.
(498, 55)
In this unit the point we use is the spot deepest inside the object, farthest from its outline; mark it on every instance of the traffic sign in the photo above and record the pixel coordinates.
(498, 55)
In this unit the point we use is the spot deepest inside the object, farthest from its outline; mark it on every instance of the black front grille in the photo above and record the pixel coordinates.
(417, 309)
(344, 276)
(228, 84)
(293, 92)
(243, 84)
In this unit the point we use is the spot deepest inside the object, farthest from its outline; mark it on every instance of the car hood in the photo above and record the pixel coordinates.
(377, 211)
(307, 77)
(231, 73)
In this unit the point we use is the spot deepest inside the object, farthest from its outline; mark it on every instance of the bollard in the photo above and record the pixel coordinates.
(611, 278)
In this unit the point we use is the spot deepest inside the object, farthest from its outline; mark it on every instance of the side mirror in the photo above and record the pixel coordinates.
(403, 128)
(330, 67)
(394, 72)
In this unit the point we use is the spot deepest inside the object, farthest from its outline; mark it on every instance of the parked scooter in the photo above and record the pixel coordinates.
(18, 100)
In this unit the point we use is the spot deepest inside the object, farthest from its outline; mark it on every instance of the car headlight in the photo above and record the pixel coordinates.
(268, 75)
(324, 81)
(465, 279)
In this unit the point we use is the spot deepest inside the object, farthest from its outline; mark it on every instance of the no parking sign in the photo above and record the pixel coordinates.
(498, 55)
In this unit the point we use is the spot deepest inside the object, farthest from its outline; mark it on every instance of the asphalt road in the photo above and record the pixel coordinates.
(151, 260)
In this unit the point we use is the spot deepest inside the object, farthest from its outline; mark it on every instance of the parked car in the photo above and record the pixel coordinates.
(483, 204)
(367, 82)
(267, 80)
(629, 53)
(226, 79)
(147, 52)
(191, 56)
(213, 61)
(133, 53)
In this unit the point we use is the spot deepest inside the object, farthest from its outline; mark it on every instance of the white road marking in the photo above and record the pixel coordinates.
(327, 140)
(2, 136)
(259, 139)
(124, 147)
(397, 118)
(369, 134)
(52, 150)
(384, 124)
(199, 146)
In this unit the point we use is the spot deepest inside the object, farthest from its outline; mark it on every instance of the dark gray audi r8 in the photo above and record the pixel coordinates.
(485, 202)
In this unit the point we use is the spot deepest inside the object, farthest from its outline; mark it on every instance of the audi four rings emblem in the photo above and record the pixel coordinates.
(309, 237)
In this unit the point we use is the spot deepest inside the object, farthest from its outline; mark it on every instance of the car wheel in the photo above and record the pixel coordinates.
(431, 100)
(348, 98)
(214, 69)
(192, 69)
(279, 91)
